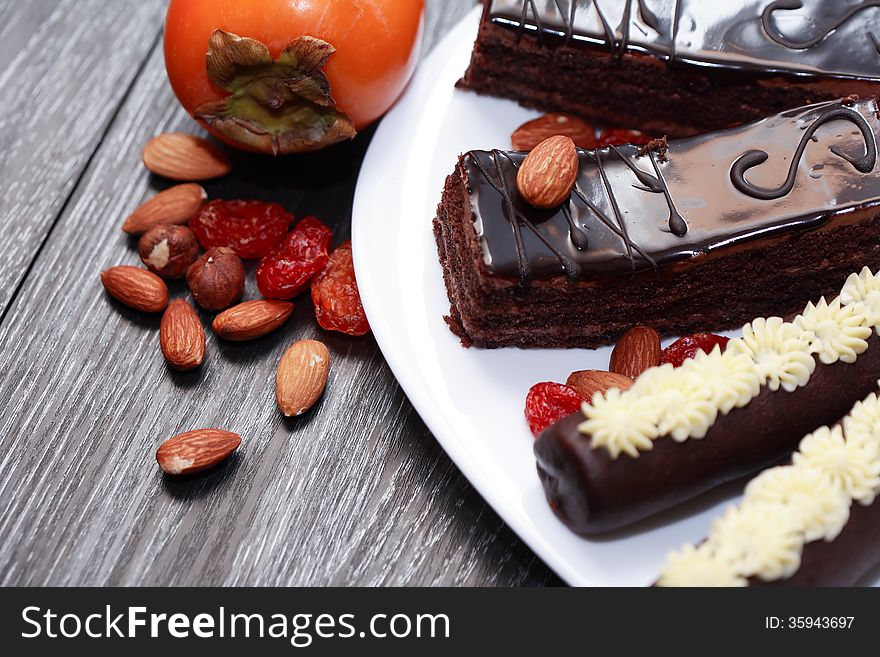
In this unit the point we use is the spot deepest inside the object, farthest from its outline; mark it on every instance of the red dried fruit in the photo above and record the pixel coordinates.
(287, 270)
(549, 402)
(250, 228)
(619, 136)
(335, 294)
(688, 346)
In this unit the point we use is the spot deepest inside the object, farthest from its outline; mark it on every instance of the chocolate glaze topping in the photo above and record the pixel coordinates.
(798, 37)
(632, 209)
(753, 158)
(778, 37)
(612, 24)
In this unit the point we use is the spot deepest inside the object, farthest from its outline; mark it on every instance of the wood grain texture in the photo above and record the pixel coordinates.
(355, 492)
(65, 66)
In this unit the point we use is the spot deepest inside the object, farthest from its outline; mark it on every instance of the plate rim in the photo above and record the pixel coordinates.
(419, 397)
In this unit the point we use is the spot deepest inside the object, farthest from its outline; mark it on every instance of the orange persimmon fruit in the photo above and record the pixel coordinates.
(284, 76)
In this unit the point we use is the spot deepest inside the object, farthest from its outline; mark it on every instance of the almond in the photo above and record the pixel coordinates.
(175, 205)
(135, 287)
(184, 157)
(533, 132)
(196, 450)
(637, 350)
(182, 337)
(301, 376)
(547, 175)
(589, 382)
(251, 319)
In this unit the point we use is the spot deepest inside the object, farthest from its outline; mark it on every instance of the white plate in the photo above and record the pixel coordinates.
(472, 399)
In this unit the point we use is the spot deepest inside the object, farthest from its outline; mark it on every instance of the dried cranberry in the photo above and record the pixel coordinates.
(287, 270)
(619, 136)
(250, 228)
(688, 346)
(549, 402)
(335, 295)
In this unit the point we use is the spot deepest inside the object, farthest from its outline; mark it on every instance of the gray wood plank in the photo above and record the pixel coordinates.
(356, 492)
(65, 66)
(18, 26)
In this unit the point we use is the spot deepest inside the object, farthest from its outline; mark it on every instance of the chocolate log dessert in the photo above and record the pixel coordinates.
(679, 432)
(813, 522)
(649, 64)
(701, 234)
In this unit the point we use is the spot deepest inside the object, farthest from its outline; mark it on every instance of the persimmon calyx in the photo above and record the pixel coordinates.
(279, 105)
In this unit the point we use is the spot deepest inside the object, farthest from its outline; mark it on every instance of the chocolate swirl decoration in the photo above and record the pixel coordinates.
(781, 39)
(657, 185)
(753, 158)
(646, 15)
(530, 4)
(615, 225)
(617, 45)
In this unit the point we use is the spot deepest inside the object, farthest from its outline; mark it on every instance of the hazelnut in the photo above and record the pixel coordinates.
(216, 280)
(168, 250)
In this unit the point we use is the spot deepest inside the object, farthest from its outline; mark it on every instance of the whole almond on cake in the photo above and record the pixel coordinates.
(636, 351)
(547, 175)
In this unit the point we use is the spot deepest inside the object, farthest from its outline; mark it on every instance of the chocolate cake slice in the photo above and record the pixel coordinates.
(675, 67)
(701, 234)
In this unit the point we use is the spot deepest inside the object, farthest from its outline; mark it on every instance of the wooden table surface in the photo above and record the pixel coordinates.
(356, 492)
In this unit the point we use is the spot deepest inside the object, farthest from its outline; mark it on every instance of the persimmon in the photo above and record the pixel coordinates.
(283, 76)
